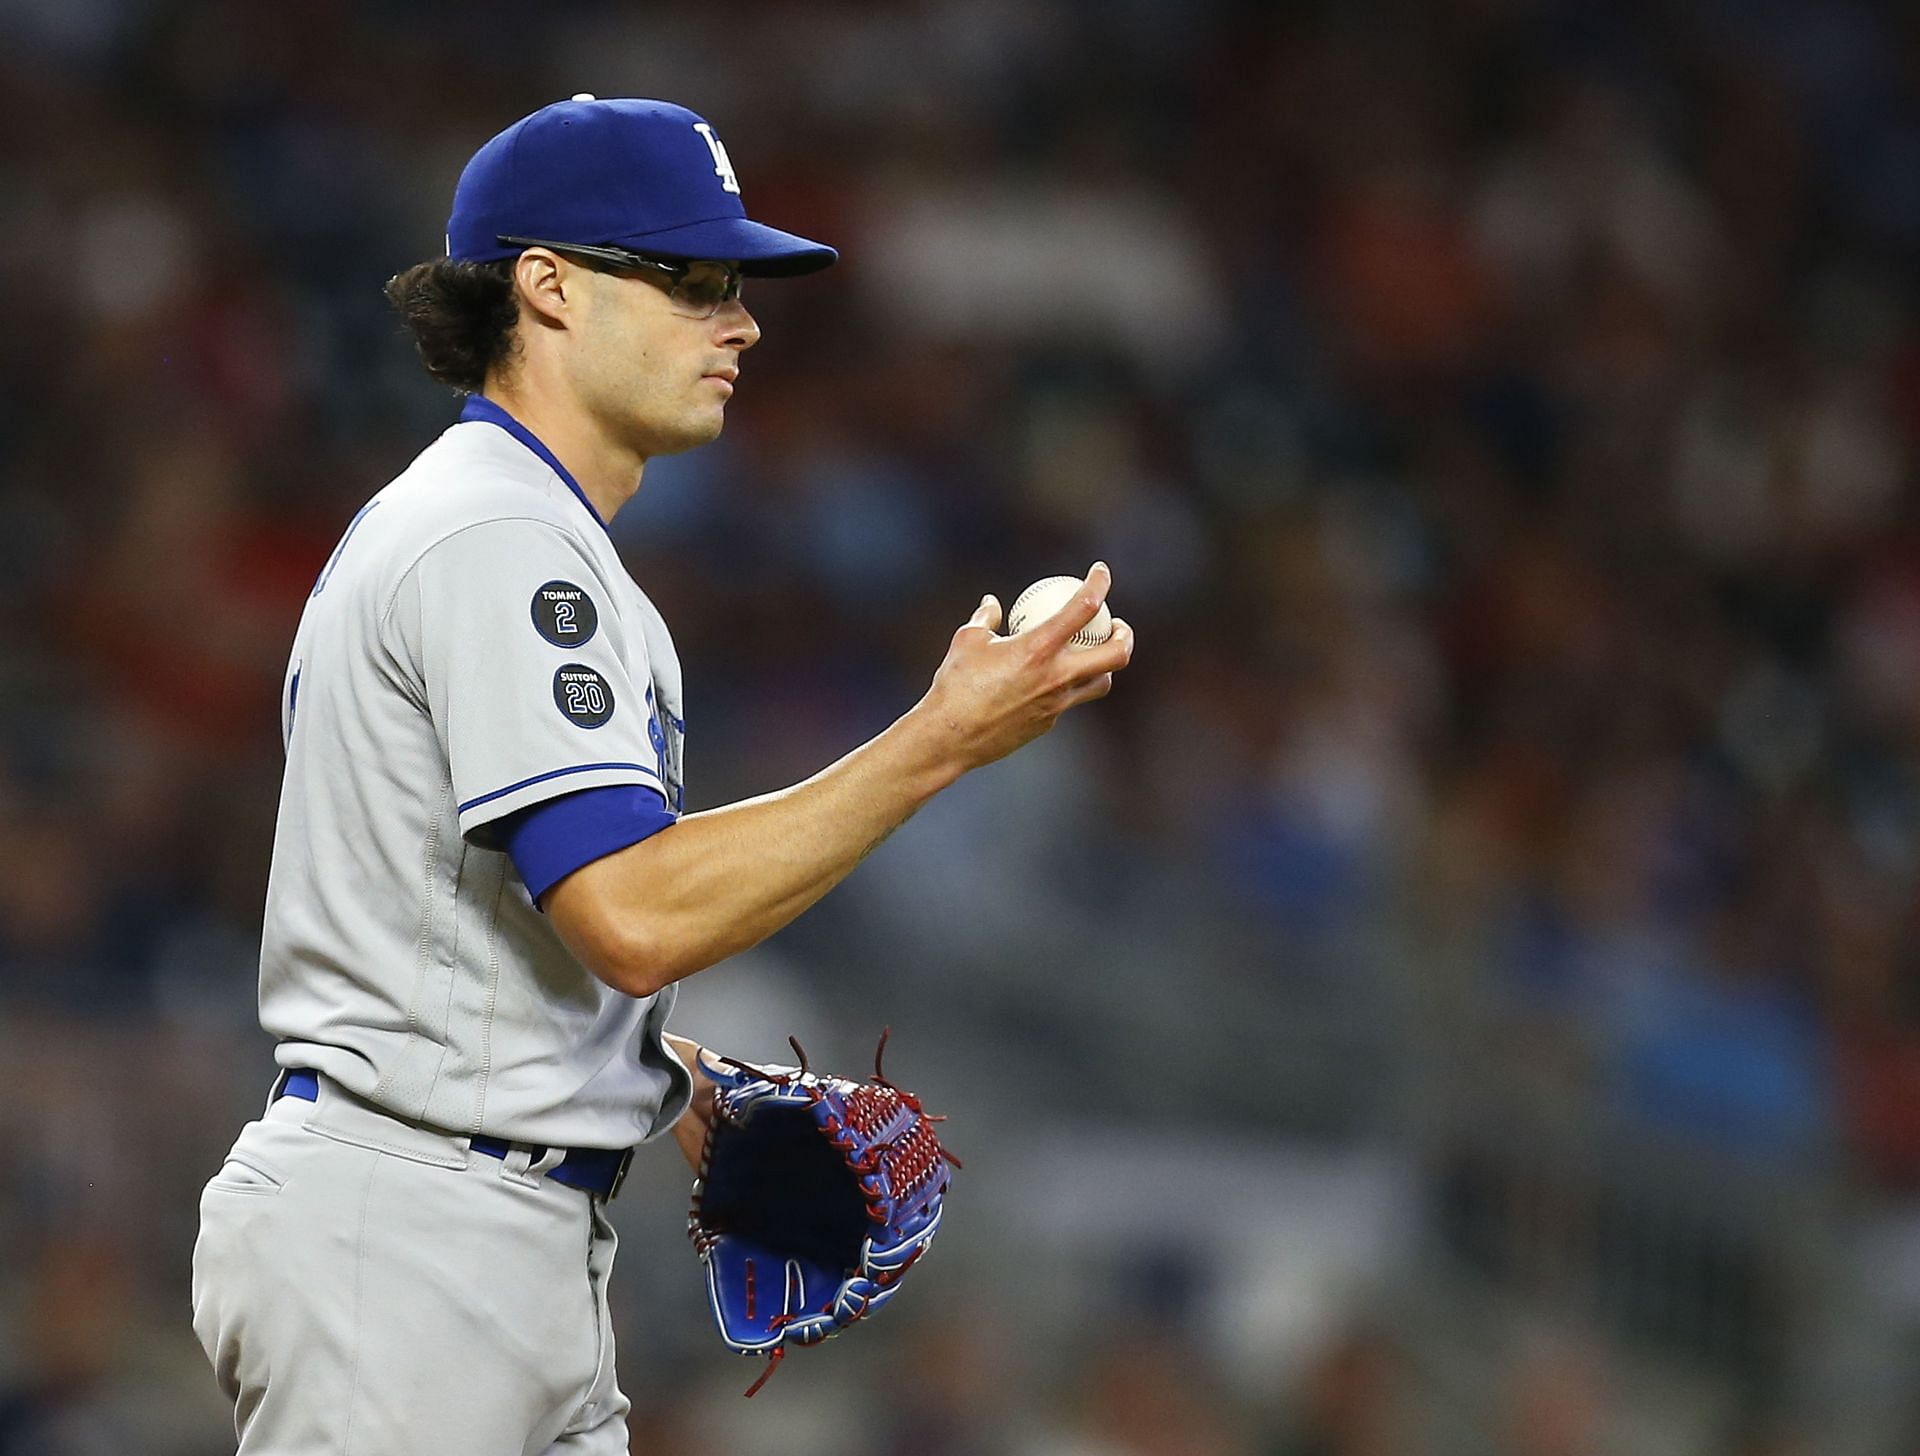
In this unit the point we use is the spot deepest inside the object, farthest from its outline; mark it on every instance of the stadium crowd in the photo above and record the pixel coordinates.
(1501, 418)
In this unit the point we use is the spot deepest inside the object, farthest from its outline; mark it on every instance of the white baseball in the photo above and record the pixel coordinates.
(1047, 596)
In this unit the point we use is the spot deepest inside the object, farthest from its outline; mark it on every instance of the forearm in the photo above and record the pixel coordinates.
(724, 879)
(715, 883)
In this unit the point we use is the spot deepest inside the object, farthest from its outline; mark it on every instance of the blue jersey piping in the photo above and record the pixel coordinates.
(554, 774)
(479, 407)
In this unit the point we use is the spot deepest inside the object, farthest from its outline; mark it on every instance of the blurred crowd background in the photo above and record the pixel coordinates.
(1459, 995)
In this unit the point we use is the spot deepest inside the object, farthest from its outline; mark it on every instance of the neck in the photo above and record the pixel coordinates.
(607, 471)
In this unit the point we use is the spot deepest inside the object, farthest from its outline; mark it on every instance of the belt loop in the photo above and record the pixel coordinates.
(517, 1163)
(549, 1159)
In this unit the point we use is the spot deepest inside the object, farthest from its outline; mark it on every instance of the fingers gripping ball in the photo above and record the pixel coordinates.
(1046, 597)
(816, 1194)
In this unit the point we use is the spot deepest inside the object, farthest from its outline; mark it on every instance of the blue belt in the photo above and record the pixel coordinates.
(599, 1171)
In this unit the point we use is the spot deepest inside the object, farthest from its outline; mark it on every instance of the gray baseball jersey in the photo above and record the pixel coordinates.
(474, 647)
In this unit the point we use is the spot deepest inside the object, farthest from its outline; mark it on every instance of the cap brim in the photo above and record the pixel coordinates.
(761, 251)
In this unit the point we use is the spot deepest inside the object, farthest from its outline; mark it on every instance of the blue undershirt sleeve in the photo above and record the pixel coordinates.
(550, 840)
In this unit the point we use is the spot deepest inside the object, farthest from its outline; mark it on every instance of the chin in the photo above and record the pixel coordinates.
(705, 432)
(691, 436)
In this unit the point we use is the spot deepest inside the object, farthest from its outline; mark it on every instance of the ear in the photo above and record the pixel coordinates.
(541, 280)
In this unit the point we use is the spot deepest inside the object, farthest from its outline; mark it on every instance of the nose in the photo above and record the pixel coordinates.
(736, 328)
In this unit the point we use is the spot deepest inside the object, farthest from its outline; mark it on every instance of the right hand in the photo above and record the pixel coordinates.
(994, 693)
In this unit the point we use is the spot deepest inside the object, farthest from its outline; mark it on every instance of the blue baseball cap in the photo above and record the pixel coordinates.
(645, 175)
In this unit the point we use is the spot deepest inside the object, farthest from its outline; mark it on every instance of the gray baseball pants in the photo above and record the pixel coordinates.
(368, 1287)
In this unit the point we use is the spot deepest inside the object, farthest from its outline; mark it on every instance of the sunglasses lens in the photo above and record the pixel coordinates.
(705, 287)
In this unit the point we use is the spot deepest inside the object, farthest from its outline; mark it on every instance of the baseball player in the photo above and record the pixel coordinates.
(484, 885)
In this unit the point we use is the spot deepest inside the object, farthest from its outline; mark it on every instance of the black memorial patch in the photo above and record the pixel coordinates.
(583, 695)
(564, 614)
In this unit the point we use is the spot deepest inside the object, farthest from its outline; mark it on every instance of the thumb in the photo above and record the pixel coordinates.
(987, 614)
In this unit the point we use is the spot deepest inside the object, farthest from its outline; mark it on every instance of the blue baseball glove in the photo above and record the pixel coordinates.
(816, 1194)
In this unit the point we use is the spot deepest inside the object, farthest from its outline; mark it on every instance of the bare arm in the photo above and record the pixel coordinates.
(720, 881)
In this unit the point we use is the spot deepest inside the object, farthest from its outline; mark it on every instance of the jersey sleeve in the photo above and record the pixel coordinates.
(550, 841)
(534, 687)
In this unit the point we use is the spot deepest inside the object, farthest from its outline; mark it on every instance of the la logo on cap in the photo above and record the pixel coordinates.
(722, 165)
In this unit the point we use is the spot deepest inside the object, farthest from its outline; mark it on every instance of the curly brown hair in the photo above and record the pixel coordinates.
(462, 317)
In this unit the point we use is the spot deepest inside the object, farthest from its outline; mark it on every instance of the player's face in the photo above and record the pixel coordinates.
(657, 378)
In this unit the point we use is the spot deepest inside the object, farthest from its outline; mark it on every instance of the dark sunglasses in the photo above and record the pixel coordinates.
(697, 289)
